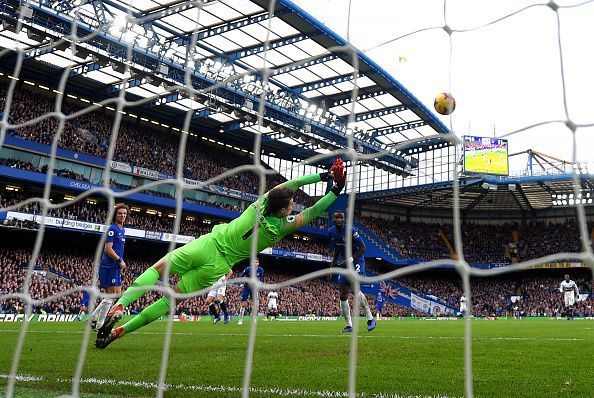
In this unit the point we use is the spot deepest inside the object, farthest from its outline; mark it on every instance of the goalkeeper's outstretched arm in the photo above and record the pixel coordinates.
(338, 173)
(296, 183)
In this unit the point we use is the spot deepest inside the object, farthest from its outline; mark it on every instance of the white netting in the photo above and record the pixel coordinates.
(120, 103)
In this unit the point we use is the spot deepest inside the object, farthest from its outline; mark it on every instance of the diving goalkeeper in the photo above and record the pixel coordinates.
(203, 261)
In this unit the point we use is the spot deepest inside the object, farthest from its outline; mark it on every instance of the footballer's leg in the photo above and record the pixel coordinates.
(216, 313)
(148, 315)
(223, 305)
(343, 289)
(200, 266)
(368, 314)
(245, 294)
(101, 318)
(133, 293)
(211, 303)
(180, 261)
(100, 312)
(242, 307)
(192, 281)
(110, 280)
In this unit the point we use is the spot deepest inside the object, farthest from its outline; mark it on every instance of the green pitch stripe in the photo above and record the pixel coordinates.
(30, 393)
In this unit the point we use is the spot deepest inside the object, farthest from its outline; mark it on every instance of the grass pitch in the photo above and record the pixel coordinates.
(522, 358)
(489, 162)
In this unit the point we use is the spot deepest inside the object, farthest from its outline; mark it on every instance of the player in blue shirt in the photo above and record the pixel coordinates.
(379, 303)
(337, 234)
(112, 264)
(85, 300)
(247, 291)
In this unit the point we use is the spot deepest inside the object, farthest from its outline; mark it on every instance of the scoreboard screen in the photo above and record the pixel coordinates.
(485, 155)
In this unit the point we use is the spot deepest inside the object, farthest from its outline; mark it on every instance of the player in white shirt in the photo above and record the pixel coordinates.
(463, 308)
(216, 296)
(570, 293)
(272, 304)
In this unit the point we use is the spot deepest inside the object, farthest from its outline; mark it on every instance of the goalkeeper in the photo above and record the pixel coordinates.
(203, 261)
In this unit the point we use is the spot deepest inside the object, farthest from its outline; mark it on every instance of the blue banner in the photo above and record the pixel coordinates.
(401, 295)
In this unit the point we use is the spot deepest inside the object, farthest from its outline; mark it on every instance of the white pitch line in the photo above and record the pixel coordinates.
(338, 336)
(25, 378)
(293, 392)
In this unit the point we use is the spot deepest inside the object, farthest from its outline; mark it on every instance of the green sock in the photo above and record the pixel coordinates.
(148, 315)
(148, 278)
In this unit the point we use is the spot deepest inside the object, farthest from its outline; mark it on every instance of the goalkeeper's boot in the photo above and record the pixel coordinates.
(348, 329)
(216, 319)
(113, 316)
(370, 325)
(115, 334)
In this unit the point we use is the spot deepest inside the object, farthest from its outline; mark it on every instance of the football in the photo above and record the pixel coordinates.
(444, 103)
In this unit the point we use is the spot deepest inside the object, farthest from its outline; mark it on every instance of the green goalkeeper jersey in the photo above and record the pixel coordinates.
(234, 240)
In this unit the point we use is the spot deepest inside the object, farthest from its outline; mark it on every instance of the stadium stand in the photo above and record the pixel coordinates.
(482, 243)
(533, 293)
(68, 270)
(136, 145)
(150, 148)
(96, 212)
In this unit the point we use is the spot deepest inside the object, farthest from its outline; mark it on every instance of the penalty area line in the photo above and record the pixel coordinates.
(281, 392)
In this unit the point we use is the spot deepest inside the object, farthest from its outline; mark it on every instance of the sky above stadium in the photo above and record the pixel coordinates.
(505, 76)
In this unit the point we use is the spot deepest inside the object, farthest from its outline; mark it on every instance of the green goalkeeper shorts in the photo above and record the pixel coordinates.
(198, 263)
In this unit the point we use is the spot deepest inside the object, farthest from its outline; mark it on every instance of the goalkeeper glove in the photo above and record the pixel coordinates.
(332, 172)
(339, 178)
(337, 165)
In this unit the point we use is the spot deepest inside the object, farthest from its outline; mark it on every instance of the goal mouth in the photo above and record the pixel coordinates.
(291, 101)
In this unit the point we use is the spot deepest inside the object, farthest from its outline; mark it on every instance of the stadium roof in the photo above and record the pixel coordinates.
(490, 194)
(227, 49)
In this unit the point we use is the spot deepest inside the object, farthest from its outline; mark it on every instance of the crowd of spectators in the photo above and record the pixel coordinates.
(304, 246)
(481, 243)
(26, 106)
(541, 239)
(18, 164)
(12, 279)
(69, 270)
(526, 294)
(158, 150)
(136, 145)
(529, 293)
(412, 240)
(97, 213)
(487, 243)
(9, 198)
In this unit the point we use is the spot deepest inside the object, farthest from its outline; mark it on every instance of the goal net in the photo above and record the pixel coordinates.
(442, 75)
